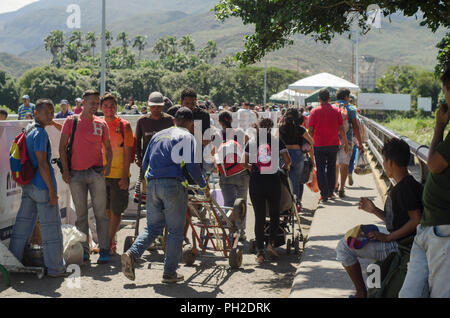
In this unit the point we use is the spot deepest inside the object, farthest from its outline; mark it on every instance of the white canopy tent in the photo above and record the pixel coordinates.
(322, 80)
(289, 96)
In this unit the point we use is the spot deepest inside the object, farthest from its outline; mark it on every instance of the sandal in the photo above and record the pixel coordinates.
(260, 258)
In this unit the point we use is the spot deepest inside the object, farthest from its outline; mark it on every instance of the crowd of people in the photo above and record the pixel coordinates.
(96, 153)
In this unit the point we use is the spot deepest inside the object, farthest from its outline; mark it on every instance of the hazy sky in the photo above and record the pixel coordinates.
(13, 5)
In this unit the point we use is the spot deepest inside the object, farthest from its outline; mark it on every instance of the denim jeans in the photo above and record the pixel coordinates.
(374, 250)
(93, 182)
(235, 187)
(35, 204)
(326, 169)
(166, 205)
(298, 161)
(353, 159)
(429, 265)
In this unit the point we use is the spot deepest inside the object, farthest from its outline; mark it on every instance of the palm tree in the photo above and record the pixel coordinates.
(53, 43)
(172, 44)
(91, 39)
(108, 38)
(161, 48)
(77, 40)
(123, 36)
(209, 52)
(140, 43)
(71, 52)
(187, 44)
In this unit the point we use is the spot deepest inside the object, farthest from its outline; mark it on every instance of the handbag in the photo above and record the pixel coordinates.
(362, 166)
(307, 172)
(305, 146)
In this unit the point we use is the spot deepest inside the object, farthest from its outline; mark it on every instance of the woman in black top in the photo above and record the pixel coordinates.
(293, 133)
(265, 183)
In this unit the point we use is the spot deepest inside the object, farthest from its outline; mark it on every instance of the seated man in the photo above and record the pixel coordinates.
(402, 213)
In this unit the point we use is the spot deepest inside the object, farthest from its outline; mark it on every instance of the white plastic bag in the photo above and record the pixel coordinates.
(363, 166)
(73, 250)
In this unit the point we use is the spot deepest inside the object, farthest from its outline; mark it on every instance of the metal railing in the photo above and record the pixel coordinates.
(378, 135)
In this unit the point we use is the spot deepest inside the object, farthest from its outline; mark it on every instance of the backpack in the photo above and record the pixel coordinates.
(229, 157)
(264, 157)
(134, 148)
(19, 162)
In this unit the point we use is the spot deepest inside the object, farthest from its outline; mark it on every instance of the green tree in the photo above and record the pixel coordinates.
(172, 45)
(71, 52)
(276, 22)
(443, 55)
(187, 44)
(139, 42)
(108, 39)
(123, 36)
(209, 53)
(91, 38)
(161, 48)
(9, 95)
(54, 43)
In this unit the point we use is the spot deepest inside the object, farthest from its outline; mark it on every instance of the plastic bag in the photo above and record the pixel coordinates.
(313, 185)
(362, 166)
(307, 172)
(73, 250)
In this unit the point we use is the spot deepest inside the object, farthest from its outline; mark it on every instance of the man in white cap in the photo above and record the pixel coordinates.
(65, 112)
(78, 109)
(26, 107)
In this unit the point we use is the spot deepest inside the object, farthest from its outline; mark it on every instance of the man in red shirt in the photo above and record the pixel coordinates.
(86, 171)
(325, 123)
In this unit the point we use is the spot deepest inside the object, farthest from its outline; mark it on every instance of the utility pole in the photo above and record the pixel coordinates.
(265, 82)
(103, 72)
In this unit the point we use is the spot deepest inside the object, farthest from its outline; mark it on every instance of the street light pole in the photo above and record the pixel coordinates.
(103, 81)
(265, 82)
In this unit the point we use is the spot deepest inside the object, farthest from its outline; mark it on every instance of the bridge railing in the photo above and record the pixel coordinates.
(378, 135)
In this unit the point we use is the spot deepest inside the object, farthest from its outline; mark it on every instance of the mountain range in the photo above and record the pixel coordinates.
(402, 41)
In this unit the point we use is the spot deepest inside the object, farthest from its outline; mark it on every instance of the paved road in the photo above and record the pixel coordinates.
(208, 277)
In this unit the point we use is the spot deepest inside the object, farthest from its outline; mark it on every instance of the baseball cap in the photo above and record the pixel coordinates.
(356, 237)
(184, 113)
(156, 99)
(25, 97)
(64, 102)
(78, 100)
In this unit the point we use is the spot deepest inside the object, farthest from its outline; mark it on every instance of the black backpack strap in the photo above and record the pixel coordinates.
(74, 128)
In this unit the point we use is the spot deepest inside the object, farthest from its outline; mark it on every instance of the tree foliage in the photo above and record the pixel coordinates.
(276, 21)
(8, 91)
(443, 55)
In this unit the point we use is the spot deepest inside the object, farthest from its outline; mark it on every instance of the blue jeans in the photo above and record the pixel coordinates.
(326, 169)
(353, 159)
(298, 161)
(35, 204)
(166, 205)
(93, 182)
(429, 264)
(235, 187)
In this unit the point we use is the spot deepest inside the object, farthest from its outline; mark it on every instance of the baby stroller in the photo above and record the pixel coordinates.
(289, 220)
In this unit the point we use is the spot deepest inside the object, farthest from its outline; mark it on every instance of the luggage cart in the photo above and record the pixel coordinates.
(215, 228)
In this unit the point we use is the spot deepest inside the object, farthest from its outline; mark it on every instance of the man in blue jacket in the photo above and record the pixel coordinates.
(168, 152)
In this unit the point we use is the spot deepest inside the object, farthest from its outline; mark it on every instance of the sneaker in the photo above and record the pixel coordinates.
(59, 275)
(172, 278)
(324, 200)
(104, 257)
(332, 197)
(128, 266)
(341, 194)
(350, 179)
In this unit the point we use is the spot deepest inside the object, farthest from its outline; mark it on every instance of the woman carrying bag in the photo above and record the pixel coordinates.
(297, 142)
(265, 183)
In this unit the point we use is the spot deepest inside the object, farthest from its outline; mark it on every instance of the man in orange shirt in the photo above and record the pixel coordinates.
(118, 180)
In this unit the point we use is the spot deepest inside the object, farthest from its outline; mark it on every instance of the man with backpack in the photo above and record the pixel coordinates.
(88, 134)
(351, 128)
(118, 180)
(39, 192)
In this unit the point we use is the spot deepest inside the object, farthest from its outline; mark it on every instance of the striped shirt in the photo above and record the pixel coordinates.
(23, 110)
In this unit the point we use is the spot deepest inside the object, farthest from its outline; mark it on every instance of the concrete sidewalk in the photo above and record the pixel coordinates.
(319, 274)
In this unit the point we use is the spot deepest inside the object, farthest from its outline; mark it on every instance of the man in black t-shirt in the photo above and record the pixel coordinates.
(402, 213)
